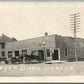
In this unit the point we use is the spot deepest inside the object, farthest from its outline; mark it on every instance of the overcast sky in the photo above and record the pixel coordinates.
(24, 20)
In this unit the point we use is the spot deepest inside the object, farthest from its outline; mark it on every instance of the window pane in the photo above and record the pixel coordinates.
(24, 52)
(2, 45)
(16, 53)
(9, 54)
(65, 51)
(3, 53)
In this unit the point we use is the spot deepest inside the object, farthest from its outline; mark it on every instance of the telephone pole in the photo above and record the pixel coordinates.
(75, 26)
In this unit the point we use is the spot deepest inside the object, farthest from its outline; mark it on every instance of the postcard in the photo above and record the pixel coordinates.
(41, 41)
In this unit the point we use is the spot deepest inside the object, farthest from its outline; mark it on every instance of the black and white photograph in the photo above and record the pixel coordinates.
(41, 39)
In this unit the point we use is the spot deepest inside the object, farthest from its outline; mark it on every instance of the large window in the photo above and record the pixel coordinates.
(48, 52)
(3, 53)
(9, 54)
(2, 46)
(66, 52)
(16, 53)
(24, 52)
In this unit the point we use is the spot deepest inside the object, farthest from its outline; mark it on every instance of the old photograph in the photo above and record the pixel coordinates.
(41, 39)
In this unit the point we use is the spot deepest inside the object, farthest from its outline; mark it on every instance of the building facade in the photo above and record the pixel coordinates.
(49, 47)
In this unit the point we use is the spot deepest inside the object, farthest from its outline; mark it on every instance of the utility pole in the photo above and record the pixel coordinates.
(75, 26)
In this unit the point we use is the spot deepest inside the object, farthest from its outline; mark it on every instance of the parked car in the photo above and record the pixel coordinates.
(3, 60)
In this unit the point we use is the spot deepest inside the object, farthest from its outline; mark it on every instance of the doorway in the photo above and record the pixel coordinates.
(41, 54)
(55, 55)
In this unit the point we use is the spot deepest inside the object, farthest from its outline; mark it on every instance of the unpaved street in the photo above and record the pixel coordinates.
(57, 69)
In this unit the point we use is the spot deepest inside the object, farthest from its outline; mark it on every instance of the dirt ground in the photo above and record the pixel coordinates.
(55, 69)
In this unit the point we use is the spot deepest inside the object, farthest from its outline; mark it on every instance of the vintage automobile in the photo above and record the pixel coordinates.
(3, 60)
(26, 59)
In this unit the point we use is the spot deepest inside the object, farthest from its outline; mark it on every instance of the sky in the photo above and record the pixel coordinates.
(24, 20)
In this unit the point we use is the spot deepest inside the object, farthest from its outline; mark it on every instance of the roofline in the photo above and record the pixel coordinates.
(44, 36)
(31, 38)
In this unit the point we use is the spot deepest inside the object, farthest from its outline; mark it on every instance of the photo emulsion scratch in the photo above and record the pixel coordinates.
(41, 39)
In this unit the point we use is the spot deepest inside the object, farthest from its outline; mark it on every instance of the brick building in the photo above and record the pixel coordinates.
(56, 47)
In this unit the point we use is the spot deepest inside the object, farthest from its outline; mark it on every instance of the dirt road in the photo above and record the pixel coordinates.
(57, 69)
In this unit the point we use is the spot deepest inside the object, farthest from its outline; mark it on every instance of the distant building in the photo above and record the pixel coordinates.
(3, 40)
(56, 47)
